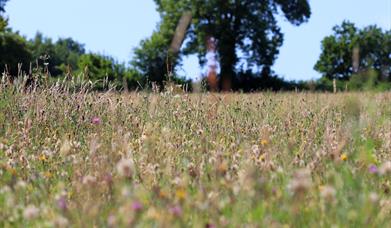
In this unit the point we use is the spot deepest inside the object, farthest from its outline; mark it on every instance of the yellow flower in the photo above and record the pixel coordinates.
(48, 174)
(264, 142)
(262, 157)
(344, 157)
(180, 193)
(42, 158)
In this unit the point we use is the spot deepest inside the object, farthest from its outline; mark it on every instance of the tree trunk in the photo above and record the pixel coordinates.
(228, 60)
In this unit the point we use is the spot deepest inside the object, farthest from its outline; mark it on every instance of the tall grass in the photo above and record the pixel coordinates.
(73, 157)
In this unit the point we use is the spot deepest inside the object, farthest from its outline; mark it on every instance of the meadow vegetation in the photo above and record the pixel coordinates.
(74, 157)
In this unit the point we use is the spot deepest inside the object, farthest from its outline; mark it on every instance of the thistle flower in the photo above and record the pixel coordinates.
(96, 120)
(373, 169)
(176, 210)
(137, 206)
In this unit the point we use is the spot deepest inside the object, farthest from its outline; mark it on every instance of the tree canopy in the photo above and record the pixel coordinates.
(2, 5)
(61, 55)
(248, 27)
(350, 47)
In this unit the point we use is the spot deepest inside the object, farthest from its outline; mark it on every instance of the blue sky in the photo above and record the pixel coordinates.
(115, 27)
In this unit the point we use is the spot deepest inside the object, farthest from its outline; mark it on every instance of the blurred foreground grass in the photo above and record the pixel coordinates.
(86, 159)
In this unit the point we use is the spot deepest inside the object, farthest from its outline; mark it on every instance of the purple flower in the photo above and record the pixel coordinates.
(373, 169)
(176, 210)
(137, 206)
(96, 120)
(62, 203)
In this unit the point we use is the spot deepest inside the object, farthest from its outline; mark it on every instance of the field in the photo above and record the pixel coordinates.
(89, 159)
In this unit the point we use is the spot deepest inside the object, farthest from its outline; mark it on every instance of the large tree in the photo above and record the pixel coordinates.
(352, 50)
(248, 27)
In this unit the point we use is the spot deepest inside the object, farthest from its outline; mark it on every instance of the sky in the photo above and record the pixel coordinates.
(116, 27)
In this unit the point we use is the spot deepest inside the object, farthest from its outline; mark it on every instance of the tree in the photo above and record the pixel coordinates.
(351, 50)
(13, 50)
(99, 68)
(61, 55)
(3, 21)
(152, 58)
(248, 27)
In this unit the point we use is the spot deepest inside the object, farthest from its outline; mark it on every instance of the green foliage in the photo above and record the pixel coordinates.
(152, 59)
(247, 26)
(373, 51)
(100, 68)
(104, 70)
(368, 80)
(13, 50)
(63, 55)
(3, 24)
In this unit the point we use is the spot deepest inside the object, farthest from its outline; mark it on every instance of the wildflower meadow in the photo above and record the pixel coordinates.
(71, 157)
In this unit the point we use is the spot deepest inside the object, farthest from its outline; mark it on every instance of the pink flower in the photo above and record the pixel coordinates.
(176, 210)
(373, 169)
(137, 206)
(62, 203)
(210, 225)
(96, 120)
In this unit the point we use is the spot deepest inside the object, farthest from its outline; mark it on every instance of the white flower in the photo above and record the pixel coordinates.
(89, 180)
(373, 197)
(385, 168)
(125, 167)
(30, 212)
(61, 222)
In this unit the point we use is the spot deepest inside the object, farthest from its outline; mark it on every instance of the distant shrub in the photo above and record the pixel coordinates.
(368, 80)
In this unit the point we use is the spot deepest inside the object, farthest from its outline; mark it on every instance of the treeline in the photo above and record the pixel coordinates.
(64, 57)
(351, 58)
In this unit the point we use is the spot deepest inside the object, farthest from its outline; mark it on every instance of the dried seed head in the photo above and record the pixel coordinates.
(125, 168)
(301, 182)
(328, 193)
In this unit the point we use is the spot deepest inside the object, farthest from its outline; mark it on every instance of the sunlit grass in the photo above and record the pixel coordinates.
(204, 160)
